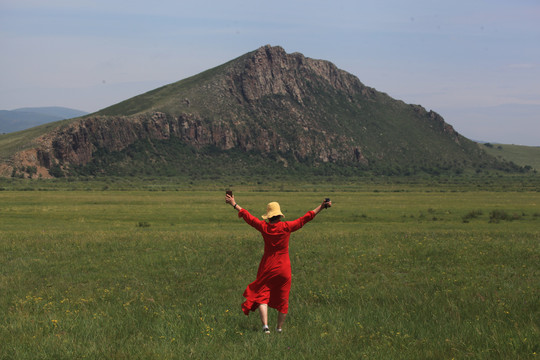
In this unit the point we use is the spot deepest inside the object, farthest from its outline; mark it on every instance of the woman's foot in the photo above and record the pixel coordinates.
(266, 330)
(279, 330)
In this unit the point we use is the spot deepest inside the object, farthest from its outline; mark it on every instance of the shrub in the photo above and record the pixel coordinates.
(143, 224)
(56, 171)
(497, 215)
(471, 215)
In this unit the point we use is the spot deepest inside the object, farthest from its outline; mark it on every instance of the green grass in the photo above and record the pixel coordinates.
(160, 275)
(521, 155)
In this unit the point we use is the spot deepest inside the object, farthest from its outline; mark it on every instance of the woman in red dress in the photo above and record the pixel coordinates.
(273, 283)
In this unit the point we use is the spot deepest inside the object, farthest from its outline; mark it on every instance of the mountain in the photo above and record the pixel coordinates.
(266, 112)
(24, 118)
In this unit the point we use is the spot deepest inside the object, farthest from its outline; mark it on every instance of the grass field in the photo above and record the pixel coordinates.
(160, 275)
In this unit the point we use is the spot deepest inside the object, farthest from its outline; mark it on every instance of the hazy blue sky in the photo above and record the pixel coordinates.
(476, 62)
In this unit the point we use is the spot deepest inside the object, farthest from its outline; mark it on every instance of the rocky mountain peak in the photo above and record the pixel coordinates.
(271, 71)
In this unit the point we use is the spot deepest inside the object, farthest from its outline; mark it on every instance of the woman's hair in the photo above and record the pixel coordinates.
(275, 218)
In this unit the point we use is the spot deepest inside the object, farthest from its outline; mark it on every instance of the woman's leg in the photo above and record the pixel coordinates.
(280, 319)
(263, 311)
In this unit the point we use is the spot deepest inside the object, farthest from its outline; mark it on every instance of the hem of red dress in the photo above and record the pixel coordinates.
(248, 306)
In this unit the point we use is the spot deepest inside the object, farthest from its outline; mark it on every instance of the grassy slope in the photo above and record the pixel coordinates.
(521, 155)
(169, 98)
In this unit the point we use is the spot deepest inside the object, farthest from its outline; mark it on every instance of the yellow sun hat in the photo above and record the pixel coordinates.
(272, 209)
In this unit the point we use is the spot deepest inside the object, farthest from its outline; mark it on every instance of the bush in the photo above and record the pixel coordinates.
(56, 171)
(471, 215)
(143, 224)
(497, 215)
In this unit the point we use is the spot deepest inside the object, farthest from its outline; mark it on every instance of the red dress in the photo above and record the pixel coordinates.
(273, 281)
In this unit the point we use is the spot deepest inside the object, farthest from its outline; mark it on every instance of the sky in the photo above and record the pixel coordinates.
(475, 62)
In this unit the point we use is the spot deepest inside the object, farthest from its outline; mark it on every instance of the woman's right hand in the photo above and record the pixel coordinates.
(229, 199)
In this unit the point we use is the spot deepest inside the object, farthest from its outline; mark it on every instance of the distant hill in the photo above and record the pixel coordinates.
(519, 154)
(264, 113)
(25, 118)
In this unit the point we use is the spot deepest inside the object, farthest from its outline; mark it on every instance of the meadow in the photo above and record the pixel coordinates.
(160, 274)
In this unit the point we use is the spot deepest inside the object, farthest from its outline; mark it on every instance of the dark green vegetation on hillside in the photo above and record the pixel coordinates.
(150, 158)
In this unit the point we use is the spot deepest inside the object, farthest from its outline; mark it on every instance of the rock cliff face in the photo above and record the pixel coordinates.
(271, 71)
(267, 101)
(76, 143)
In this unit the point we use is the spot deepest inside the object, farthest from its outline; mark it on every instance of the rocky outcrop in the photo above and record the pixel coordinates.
(76, 143)
(271, 71)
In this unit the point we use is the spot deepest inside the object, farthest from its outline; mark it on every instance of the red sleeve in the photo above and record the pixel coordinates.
(298, 223)
(251, 220)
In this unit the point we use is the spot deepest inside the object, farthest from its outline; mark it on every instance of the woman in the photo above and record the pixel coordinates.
(273, 283)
